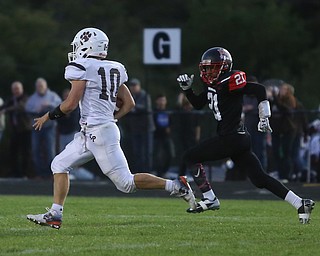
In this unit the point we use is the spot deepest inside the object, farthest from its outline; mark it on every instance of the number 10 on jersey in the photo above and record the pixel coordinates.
(113, 84)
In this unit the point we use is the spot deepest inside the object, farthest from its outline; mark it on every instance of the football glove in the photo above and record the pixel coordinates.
(264, 126)
(264, 109)
(185, 81)
(264, 114)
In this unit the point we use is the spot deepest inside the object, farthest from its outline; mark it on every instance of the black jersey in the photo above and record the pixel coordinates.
(225, 99)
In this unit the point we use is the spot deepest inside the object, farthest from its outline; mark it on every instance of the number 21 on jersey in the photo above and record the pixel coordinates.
(213, 103)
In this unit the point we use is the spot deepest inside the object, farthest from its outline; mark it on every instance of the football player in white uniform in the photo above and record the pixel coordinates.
(96, 84)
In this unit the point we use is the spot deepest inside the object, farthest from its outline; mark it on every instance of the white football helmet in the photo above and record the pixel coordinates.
(89, 42)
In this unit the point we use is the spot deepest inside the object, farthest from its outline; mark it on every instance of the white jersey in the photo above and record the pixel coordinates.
(103, 80)
(99, 137)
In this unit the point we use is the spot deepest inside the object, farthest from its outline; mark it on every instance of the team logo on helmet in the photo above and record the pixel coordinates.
(85, 36)
(223, 55)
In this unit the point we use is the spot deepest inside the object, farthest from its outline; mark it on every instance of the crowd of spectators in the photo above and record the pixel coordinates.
(155, 135)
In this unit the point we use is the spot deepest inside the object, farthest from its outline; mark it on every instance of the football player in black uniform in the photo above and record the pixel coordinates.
(223, 92)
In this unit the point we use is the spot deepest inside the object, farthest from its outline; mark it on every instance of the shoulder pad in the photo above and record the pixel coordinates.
(237, 80)
(75, 70)
(77, 65)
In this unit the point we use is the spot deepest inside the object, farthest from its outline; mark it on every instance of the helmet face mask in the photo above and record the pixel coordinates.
(210, 72)
(214, 62)
(89, 42)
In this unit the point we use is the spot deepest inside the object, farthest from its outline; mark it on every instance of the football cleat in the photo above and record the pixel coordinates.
(182, 189)
(51, 218)
(305, 210)
(205, 204)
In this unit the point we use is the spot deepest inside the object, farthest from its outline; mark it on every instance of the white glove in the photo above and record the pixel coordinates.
(263, 125)
(264, 113)
(185, 81)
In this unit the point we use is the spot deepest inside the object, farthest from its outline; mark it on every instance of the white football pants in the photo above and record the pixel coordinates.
(103, 144)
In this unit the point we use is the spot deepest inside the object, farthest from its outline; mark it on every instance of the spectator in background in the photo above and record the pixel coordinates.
(301, 137)
(251, 118)
(272, 91)
(284, 132)
(164, 150)
(44, 141)
(19, 126)
(314, 148)
(2, 120)
(140, 128)
(189, 128)
(68, 125)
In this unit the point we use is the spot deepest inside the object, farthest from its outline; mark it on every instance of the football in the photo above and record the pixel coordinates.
(119, 103)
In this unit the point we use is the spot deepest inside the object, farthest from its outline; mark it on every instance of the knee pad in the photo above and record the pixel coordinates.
(58, 167)
(127, 185)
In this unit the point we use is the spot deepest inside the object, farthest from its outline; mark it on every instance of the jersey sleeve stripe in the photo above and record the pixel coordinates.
(223, 80)
(77, 65)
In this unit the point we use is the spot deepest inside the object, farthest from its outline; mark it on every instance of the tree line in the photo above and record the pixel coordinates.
(275, 39)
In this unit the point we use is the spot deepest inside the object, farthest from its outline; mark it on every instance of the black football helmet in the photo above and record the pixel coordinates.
(214, 62)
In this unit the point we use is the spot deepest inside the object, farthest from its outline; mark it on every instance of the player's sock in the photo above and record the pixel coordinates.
(200, 178)
(58, 208)
(293, 199)
(209, 194)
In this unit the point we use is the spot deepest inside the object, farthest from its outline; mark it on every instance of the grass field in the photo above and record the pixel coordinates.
(156, 226)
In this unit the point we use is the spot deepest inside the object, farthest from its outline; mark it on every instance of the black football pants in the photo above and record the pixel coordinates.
(238, 148)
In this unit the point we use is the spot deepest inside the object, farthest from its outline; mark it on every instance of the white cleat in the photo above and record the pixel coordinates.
(182, 189)
(51, 218)
(305, 210)
(206, 204)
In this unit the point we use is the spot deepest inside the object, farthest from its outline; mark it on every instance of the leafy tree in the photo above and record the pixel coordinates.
(270, 39)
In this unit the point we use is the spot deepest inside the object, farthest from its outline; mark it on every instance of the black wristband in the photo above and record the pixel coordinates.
(56, 113)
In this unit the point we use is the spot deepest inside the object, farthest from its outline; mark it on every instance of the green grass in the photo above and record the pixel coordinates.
(156, 226)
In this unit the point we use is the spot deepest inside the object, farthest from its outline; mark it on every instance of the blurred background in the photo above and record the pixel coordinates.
(268, 39)
(274, 39)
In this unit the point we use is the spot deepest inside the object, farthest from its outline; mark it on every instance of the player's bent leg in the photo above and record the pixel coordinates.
(258, 177)
(117, 170)
(60, 166)
(148, 181)
(123, 180)
(75, 154)
(180, 186)
(61, 187)
(63, 163)
(262, 180)
(113, 164)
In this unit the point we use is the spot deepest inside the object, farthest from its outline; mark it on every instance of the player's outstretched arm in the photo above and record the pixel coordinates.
(67, 106)
(259, 91)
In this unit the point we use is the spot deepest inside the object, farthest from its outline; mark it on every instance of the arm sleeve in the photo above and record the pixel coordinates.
(257, 90)
(197, 101)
